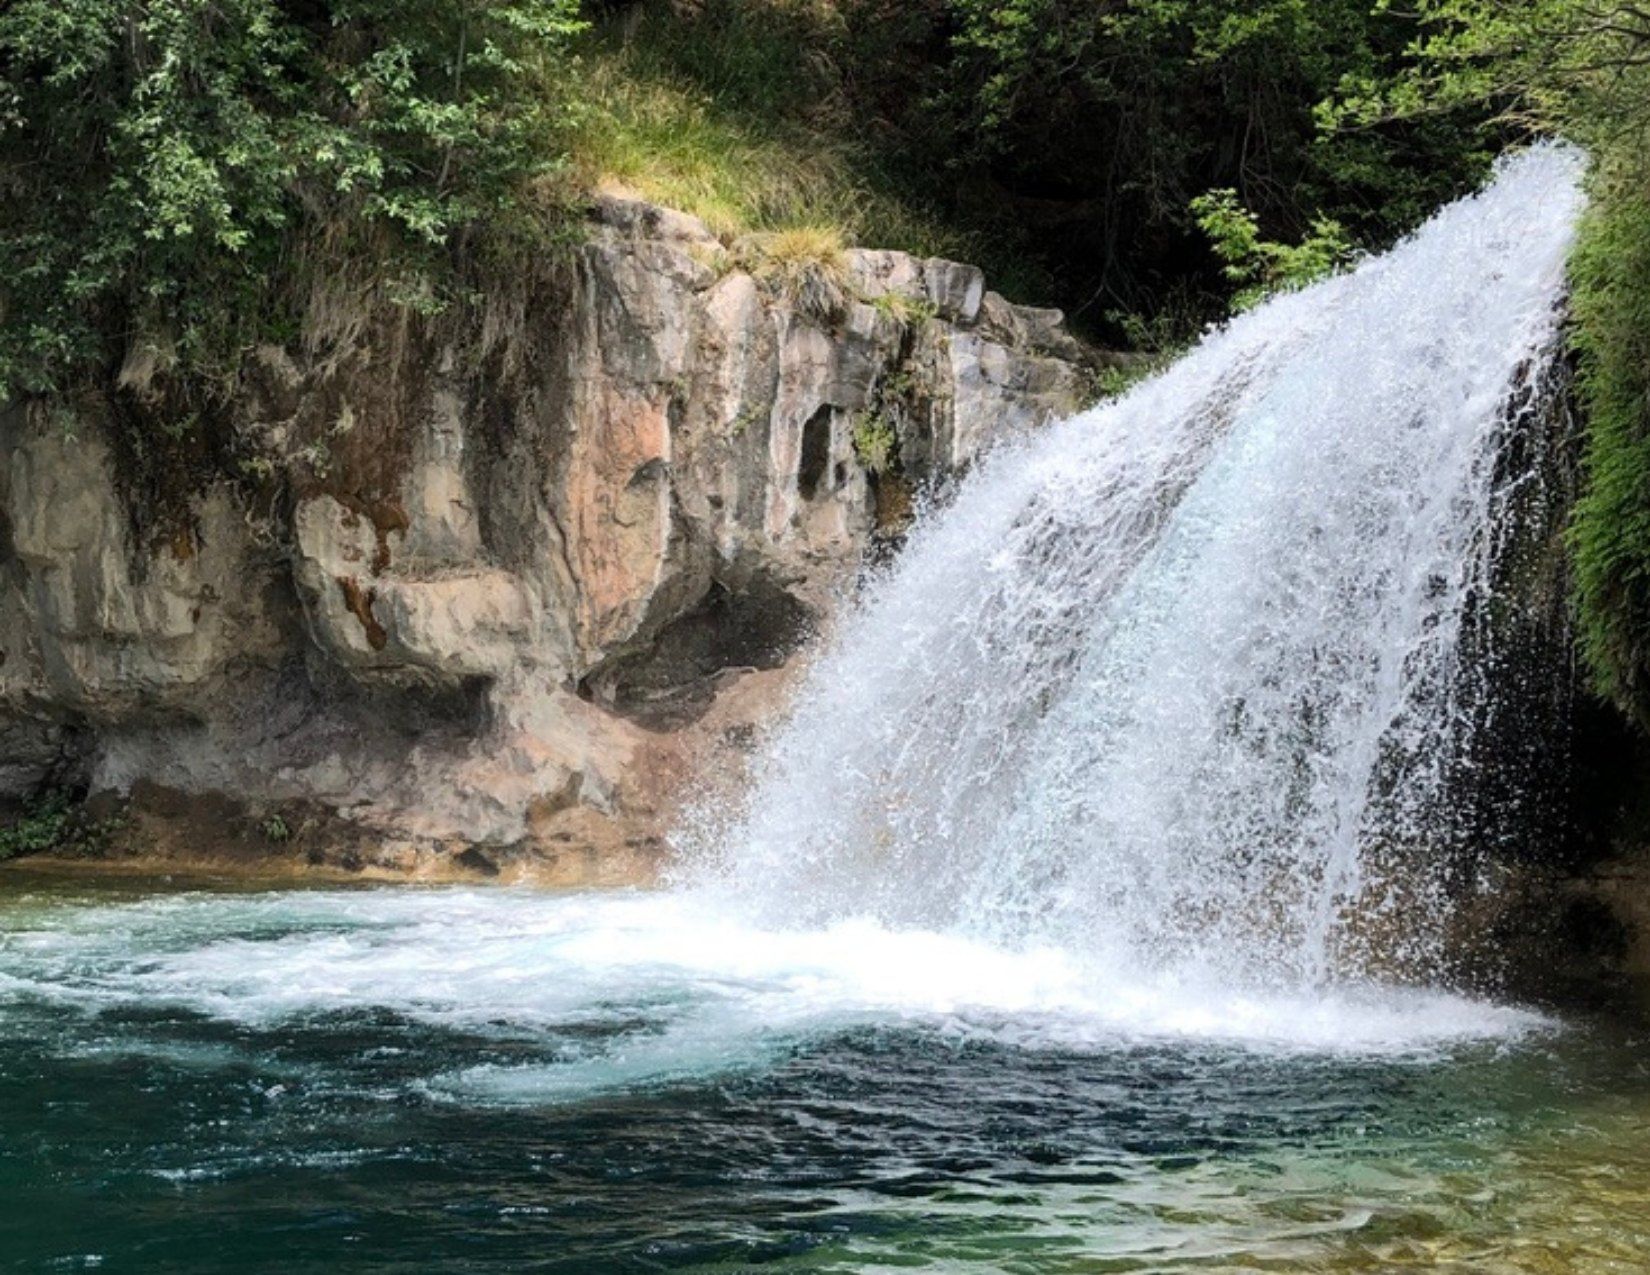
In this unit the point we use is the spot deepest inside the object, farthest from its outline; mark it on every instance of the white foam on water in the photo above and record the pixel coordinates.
(637, 988)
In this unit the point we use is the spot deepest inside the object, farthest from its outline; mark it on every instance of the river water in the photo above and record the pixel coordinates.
(403, 1079)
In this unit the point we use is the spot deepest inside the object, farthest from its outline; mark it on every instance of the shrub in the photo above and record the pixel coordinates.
(1259, 266)
(876, 443)
(1610, 533)
(43, 824)
(1113, 118)
(166, 161)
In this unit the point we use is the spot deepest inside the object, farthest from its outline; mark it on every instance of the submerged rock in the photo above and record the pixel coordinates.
(510, 581)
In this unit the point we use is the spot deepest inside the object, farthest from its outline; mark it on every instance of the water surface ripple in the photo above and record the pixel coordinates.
(399, 1080)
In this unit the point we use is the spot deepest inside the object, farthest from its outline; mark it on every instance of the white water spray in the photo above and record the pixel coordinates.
(1177, 684)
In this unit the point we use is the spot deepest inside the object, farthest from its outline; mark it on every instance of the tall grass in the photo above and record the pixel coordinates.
(738, 123)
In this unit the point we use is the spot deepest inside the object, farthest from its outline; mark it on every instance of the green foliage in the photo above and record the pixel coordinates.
(43, 824)
(1573, 64)
(1582, 68)
(1610, 533)
(1130, 112)
(1057, 143)
(904, 309)
(172, 170)
(164, 160)
(876, 443)
(741, 114)
(1259, 266)
(1118, 380)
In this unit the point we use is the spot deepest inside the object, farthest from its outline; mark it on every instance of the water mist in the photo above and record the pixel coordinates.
(1179, 684)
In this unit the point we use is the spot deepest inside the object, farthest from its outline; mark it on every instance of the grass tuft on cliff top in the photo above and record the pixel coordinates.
(733, 124)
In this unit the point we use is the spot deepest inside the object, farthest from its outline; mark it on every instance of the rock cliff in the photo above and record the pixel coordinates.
(491, 595)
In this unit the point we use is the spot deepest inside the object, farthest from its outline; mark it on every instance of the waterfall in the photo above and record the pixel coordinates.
(1157, 740)
(1183, 683)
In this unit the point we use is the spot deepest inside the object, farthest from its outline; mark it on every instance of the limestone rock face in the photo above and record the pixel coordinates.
(88, 626)
(507, 581)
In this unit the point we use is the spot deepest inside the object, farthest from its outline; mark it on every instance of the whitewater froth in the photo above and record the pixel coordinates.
(586, 993)
(1178, 684)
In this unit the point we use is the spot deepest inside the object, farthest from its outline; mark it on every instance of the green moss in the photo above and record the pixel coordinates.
(1610, 533)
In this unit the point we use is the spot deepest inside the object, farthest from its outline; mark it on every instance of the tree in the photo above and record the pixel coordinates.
(1131, 111)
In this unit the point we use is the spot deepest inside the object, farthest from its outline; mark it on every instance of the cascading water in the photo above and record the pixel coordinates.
(1179, 683)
